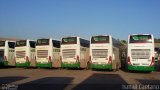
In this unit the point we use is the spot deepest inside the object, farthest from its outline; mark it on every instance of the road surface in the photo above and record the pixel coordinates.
(64, 79)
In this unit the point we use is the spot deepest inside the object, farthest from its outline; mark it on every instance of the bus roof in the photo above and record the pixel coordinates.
(101, 35)
(8, 40)
(140, 34)
(73, 36)
(70, 36)
(26, 39)
(48, 38)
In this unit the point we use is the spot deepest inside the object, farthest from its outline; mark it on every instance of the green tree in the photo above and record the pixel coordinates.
(123, 41)
(157, 40)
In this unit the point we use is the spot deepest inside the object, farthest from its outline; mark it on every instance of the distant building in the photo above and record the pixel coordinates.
(157, 45)
(14, 39)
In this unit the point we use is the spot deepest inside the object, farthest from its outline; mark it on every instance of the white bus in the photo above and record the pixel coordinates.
(74, 52)
(7, 53)
(104, 53)
(140, 52)
(48, 53)
(25, 53)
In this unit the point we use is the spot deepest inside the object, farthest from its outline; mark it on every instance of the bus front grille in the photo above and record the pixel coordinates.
(42, 53)
(20, 54)
(99, 53)
(140, 53)
(68, 53)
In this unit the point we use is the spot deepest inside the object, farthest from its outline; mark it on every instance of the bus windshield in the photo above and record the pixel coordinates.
(100, 39)
(42, 42)
(2, 43)
(69, 40)
(140, 39)
(21, 43)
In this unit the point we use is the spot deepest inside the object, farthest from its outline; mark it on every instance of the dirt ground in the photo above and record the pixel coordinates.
(64, 79)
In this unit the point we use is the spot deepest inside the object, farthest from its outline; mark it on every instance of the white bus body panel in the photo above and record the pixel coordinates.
(71, 52)
(47, 53)
(109, 50)
(43, 52)
(100, 47)
(23, 50)
(75, 51)
(147, 50)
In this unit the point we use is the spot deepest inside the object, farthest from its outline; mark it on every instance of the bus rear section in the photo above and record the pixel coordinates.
(48, 53)
(7, 53)
(25, 53)
(74, 52)
(43, 53)
(103, 54)
(141, 52)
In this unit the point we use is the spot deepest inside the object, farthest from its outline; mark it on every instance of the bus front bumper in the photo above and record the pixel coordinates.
(141, 68)
(101, 66)
(70, 65)
(44, 65)
(26, 64)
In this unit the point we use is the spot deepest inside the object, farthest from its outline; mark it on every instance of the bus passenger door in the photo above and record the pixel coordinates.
(83, 57)
(32, 57)
(116, 61)
(11, 57)
(56, 58)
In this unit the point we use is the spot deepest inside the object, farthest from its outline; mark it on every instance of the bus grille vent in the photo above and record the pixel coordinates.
(140, 53)
(20, 54)
(99, 53)
(42, 53)
(68, 53)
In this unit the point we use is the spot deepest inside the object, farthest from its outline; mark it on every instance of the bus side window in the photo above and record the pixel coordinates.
(84, 43)
(11, 44)
(56, 43)
(32, 44)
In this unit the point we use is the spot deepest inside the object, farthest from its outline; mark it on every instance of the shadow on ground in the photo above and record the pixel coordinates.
(7, 67)
(101, 82)
(148, 81)
(47, 83)
(6, 80)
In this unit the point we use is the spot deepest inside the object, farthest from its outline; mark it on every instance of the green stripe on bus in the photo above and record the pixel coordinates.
(26, 64)
(68, 65)
(141, 68)
(101, 66)
(44, 65)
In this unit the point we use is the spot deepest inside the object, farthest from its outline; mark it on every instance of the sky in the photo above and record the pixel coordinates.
(33, 19)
